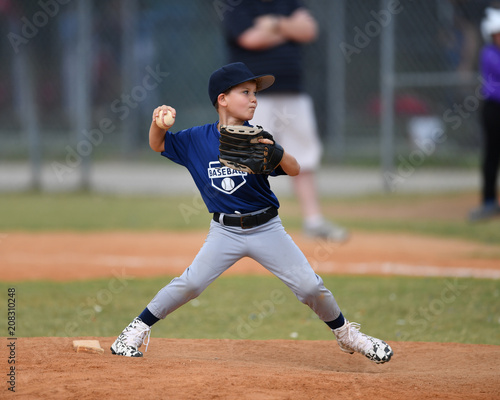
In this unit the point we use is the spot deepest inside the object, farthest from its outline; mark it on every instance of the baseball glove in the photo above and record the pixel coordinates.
(241, 150)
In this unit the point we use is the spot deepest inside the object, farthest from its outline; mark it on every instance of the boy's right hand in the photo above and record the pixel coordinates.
(164, 117)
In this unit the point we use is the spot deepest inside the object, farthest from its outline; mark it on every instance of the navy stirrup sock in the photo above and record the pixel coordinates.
(336, 323)
(148, 318)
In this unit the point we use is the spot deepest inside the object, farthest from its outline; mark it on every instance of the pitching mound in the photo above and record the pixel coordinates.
(49, 368)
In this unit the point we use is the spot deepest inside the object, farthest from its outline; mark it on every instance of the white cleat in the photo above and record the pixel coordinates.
(132, 337)
(351, 340)
(327, 231)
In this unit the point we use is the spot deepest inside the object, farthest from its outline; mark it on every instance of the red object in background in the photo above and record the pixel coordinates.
(404, 105)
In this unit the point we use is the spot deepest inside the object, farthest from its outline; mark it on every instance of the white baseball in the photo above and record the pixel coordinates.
(165, 120)
(227, 184)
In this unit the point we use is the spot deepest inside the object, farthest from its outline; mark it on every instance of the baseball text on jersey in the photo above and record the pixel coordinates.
(225, 179)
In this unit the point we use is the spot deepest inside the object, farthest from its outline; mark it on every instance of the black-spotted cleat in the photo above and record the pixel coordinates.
(132, 337)
(351, 340)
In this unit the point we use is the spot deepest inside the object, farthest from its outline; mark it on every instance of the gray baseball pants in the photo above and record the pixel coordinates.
(268, 244)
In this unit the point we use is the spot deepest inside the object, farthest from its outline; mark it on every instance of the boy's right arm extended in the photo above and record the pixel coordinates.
(157, 134)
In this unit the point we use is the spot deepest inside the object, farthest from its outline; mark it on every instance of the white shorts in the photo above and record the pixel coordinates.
(291, 120)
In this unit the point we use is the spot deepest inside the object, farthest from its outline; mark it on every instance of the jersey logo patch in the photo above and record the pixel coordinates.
(225, 179)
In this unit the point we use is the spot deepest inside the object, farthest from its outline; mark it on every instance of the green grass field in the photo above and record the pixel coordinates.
(88, 212)
(252, 307)
(261, 307)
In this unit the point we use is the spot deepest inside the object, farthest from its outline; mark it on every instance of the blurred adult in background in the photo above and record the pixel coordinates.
(267, 37)
(490, 118)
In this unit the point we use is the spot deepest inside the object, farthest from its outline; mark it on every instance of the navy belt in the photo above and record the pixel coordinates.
(248, 221)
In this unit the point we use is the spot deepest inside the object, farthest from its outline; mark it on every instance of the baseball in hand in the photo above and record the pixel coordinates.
(165, 119)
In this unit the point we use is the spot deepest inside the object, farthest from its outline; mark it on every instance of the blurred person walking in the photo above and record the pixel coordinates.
(267, 36)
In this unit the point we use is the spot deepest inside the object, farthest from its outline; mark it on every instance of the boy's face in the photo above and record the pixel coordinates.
(242, 101)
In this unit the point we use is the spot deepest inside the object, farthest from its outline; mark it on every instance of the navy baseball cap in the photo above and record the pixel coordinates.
(233, 74)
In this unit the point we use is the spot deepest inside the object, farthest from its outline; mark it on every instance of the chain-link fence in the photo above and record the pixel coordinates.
(79, 78)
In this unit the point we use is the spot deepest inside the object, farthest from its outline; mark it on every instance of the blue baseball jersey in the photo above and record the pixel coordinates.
(223, 189)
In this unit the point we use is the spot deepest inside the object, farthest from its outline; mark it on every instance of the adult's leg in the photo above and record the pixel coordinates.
(291, 120)
(491, 151)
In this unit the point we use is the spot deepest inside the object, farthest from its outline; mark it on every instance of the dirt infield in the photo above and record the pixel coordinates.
(48, 368)
(70, 255)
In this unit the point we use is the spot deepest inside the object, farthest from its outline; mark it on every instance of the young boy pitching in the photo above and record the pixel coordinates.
(245, 218)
